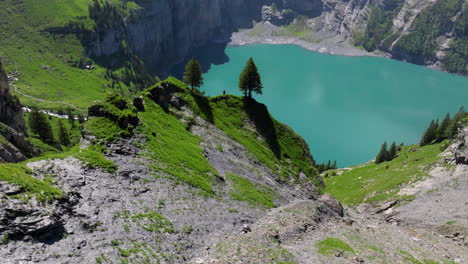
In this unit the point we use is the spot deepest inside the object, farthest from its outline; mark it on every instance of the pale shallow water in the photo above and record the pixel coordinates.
(344, 107)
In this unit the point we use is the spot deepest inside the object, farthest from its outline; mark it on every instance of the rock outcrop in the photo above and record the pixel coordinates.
(460, 150)
(13, 144)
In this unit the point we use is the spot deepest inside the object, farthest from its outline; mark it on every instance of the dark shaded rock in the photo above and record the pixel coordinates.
(348, 221)
(163, 95)
(461, 148)
(246, 229)
(330, 206)
(13, 144)
(20, 220)
(138, 103)
(386, 206)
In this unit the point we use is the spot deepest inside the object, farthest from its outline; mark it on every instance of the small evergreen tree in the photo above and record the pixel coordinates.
(383, 154)
(71, 117)
(63, 133)
(81, 118)
(33, 120)
(452, 129)
(250, 80)
(430, 134)
(392, 153)
(442, 130)
(40, 125)
(193, 73)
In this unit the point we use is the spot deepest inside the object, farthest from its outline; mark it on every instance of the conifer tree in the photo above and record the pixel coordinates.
(71, 117)
(383, 154)
(63, 134)
(442, 130)
(430, 134)
(392, 153)
(81, 118)
(193, 73)
(250, 80)
(40, 125)
(452, 129)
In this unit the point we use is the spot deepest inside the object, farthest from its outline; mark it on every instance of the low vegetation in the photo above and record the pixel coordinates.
(255, 194)
(375, 183)
(20, 175)
(174, 151)
(249, 123)
(149, 220)
(93, 159)
(331, 245)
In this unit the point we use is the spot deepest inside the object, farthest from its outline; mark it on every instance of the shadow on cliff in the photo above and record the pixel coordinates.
(210, 54)
(264, 124)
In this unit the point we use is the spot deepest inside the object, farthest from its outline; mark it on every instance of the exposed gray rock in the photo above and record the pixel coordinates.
(461, 147)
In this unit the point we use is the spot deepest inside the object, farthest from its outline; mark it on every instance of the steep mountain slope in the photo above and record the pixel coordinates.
(171, 181)
(176, 177)
(13, 144)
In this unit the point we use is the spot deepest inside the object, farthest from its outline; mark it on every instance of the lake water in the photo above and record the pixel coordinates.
(344, 107)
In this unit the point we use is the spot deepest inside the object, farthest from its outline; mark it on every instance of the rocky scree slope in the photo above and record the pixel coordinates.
(180, 182)
(425, 222)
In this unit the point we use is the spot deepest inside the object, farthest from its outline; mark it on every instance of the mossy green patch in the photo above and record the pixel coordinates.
(104, 128)
(93, 159)
(149, 220)
(174, 150)
(249, 123)
(410, 259)
(255, 194)
(330, 245)
(379, 182)
(20, 175)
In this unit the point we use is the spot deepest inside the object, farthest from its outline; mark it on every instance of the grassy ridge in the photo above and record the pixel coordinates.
(249, 123)
(173, 149)
(379, 182)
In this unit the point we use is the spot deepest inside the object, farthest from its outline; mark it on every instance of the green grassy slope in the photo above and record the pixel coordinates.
(47, 62)
(176, 152)
(379, 182)
(249, 123)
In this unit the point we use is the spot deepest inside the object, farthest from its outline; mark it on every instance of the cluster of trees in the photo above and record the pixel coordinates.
(321, 167)
(431, 23)
(105, 14)
(134, 75)
(378, 28)
(386, 154)
(40, 125)
(447, 129)
(249, 79)
(457, 58)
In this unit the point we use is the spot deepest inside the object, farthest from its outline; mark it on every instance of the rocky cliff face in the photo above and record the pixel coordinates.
(165, 32)
(13, 145)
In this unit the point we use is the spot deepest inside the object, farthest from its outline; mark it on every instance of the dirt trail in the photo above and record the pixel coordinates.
(45, 101)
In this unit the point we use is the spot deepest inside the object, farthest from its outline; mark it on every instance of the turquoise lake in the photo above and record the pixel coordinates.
(344, 107)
